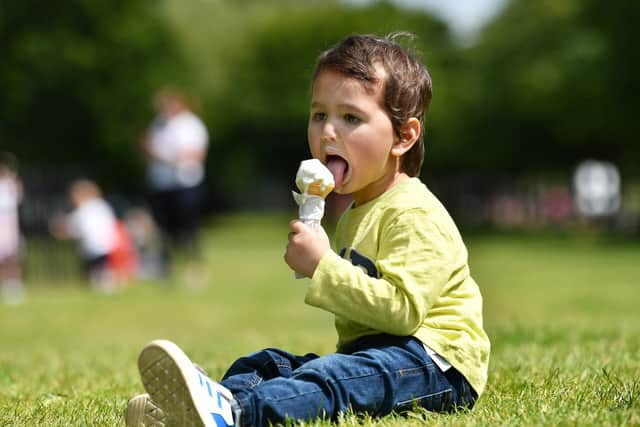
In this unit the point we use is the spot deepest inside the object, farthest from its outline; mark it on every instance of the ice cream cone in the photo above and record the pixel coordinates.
(315, 182)
(319, 188)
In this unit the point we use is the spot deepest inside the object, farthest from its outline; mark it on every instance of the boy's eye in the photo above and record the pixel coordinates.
(318, 117)
(350, 118)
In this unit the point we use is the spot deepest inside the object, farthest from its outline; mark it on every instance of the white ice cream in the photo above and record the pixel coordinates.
(312, 171)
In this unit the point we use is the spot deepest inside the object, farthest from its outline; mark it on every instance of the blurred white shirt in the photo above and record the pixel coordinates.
(171, 142)
(9, 224)
(93, 224)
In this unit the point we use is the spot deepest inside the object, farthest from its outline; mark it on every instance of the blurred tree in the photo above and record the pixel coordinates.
(76, 77)
(549, 84)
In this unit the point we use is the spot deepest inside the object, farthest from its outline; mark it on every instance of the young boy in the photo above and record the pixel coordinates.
(407, 312)
(101, 237)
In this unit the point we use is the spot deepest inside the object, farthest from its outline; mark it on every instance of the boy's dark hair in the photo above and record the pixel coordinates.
(406, 90)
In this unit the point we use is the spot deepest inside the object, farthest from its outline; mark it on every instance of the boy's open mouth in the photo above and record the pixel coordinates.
(338, 168)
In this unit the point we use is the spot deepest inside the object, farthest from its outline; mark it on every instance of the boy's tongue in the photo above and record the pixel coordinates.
(337, 166)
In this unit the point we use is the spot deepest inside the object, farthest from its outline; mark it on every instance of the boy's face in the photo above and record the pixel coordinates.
(352, 134)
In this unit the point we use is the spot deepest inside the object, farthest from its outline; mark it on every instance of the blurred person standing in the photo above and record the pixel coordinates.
(11, 286)
(103, 241)
(176, 147)
(147, 241)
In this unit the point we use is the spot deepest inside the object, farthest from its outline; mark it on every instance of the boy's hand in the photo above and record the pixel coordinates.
(306, 247)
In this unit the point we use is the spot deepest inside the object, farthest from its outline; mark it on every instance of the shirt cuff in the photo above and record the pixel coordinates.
(327, 267)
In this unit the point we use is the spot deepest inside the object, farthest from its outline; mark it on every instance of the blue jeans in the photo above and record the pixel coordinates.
(375, 374)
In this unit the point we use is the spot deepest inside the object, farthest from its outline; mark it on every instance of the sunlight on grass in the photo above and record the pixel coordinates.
(561, 313)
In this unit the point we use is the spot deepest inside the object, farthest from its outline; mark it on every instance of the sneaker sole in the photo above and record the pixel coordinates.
(164, 370)
(142, 412)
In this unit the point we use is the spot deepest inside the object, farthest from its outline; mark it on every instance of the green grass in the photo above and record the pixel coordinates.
(562, 314)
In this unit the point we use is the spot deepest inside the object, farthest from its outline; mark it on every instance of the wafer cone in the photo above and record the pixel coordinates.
(316, 189)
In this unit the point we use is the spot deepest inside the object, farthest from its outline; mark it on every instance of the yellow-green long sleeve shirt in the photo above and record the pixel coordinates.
(402, 269)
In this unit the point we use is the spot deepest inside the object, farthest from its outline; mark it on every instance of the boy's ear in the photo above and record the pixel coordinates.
(409, 134)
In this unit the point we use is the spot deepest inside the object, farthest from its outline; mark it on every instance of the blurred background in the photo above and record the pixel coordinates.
(531, 126)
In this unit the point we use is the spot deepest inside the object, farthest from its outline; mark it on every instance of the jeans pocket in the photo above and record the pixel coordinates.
(435, 402)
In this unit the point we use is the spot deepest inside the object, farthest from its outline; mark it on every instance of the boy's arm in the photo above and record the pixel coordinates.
(414, 264)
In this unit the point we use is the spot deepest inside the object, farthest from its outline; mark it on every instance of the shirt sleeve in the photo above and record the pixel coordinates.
(413, 264)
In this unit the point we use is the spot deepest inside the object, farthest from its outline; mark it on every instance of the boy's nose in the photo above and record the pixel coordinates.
(328, 132)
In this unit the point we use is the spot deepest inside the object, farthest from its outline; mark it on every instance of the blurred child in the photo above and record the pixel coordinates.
(11, 287)
(407, 311)
(103, 243)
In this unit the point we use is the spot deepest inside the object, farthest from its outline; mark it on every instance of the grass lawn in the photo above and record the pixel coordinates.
(562, 314)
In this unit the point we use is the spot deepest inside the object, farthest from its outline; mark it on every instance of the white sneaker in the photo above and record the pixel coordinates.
(187, 397)
(143, 412)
